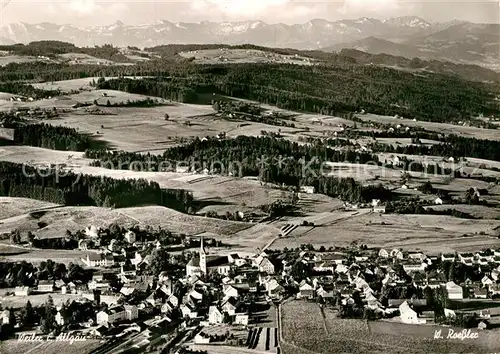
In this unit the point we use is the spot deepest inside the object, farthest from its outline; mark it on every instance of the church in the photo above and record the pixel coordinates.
(205, 264)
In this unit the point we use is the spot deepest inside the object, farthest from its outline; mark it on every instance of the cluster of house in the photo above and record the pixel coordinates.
(175, 300)
(217, 289)
(334, 275)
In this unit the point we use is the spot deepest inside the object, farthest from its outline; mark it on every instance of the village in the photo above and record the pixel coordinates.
(152, 289)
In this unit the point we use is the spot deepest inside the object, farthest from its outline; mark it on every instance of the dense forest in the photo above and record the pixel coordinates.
(64, 187)
(325, 90)
(51, 49)
(17, 88)
(49, 137)
(273, 160)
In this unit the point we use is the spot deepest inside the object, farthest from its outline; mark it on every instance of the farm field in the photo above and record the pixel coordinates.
(429, 233)
(78, 218)
(36, 256)
(17, 59)
(10, 207)
(335, 335)
(75, 84)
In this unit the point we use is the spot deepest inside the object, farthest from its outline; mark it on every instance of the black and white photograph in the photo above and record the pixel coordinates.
(249, 177)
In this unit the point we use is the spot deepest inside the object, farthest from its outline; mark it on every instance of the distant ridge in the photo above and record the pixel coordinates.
(407, 36)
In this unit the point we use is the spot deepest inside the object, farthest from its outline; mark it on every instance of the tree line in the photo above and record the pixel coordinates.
(22, 89)
(67, 188)
(49, 137)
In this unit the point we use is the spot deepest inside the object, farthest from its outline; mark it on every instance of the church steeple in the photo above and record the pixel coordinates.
(202, 248)
(203, 257)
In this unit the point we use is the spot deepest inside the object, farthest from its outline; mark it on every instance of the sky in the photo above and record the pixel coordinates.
(136, 12)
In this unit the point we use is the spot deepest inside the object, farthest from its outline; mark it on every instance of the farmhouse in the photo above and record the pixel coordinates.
(22, 290)
(305, 290)
(455, 292)
(45, 286)
(117, 313)
(307, 189)
(215, 316)
(130, 236)
(98, 260)
(265, 265)
(202, 338)
(408, 315)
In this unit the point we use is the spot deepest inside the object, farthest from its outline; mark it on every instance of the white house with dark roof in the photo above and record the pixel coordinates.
(98, 260)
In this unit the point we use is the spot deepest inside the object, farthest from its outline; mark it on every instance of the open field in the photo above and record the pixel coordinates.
(429, 233)
(320, 331)
(225, 55)
(59, 220)
(41, 255)
(10, 207)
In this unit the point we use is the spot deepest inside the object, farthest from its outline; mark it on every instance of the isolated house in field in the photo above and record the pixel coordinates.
(438, 201)
(307, 189)
(455, 292)
(408, 315)
(22, 291)
(482, 325)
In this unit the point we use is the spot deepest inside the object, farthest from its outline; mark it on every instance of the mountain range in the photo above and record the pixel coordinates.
(457, 41)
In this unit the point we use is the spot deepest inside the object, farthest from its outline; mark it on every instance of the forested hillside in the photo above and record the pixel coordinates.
(326, 90)
(63, 187)
(52, 48)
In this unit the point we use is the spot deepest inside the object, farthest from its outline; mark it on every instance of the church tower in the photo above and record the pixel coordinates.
(203, 258)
